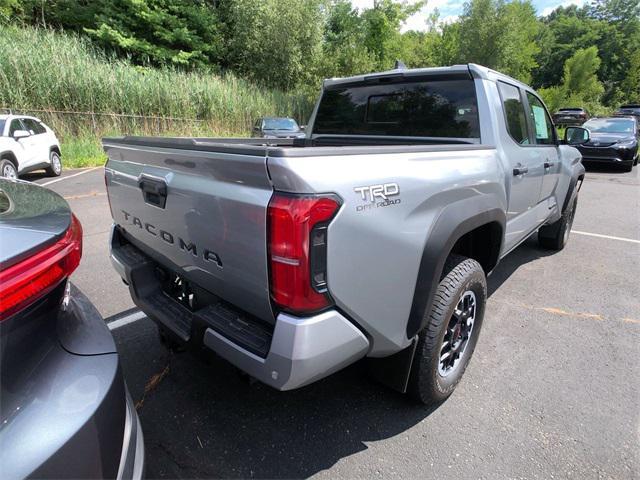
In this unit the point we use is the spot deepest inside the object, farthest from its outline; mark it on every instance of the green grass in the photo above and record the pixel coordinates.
(82, 152)
(49, 70)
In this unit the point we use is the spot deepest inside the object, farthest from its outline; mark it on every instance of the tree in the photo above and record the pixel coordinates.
(580, 85)
(180, 33)
(499, 35)
(275, 42)
(518, 27)
(382, 28)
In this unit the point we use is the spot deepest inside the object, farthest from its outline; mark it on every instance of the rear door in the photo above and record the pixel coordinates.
(198, 211)
(526, 168)
(545, 145)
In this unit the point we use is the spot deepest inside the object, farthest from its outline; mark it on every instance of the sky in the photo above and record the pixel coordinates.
(451, 9)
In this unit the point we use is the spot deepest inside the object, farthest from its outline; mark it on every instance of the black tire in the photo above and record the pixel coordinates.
(635, 160)
(556, 235)
(428, 384)
(628, 167)
(7, 166)
(54, 160)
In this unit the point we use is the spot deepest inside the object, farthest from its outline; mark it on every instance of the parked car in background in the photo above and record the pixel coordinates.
(291, 272)
(570, 116)
(632, 109)
(276, 127)
(614, 141)
(65, 410)
(27, 144)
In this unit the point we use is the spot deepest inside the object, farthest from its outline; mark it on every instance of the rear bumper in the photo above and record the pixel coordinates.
(303, 350)
(291, 354)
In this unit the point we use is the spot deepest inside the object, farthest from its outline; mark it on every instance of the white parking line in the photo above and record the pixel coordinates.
(609, 237)
(121, 322)
(70, 176)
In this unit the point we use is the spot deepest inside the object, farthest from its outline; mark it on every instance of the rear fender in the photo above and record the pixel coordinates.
(455, 220)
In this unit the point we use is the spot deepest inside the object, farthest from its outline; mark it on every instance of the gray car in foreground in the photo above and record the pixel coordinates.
(65, 411)
(371, 237)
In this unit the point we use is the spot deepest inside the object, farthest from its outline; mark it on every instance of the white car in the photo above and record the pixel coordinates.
(27, 144)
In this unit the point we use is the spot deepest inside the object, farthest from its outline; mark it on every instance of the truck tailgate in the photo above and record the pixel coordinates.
(199, 211)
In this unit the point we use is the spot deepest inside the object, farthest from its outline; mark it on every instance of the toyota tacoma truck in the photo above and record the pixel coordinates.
(370, 237)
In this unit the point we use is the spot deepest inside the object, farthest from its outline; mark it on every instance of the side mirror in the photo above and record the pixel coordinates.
(576, 136)
(303, 127)
(256, 129)
(18, 134)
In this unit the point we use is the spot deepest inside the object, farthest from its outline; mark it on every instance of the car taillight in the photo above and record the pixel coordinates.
(26, 281)
(298, 250)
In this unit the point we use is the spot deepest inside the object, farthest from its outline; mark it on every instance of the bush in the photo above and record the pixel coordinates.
(48, 70)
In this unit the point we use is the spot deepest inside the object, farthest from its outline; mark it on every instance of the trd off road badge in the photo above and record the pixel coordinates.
(377, 196)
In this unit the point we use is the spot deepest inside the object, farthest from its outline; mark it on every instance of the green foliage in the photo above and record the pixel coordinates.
(157, 32)
(274, 42)
(500, 35)
(580, 85)
(45, 70)
(291, 45)
(82, 151)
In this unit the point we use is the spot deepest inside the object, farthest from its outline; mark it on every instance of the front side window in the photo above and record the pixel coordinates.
(514, 113)
(15, 125)
(427, 108)
(542, 126)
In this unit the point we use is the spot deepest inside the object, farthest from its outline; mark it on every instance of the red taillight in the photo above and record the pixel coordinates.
(30, 279)
(297, 250)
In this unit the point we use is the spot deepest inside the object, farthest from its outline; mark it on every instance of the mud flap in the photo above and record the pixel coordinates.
(394, 371)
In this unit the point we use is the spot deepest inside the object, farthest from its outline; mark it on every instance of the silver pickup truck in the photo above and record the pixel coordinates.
(371, 237)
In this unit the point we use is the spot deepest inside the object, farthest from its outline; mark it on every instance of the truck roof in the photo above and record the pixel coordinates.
(471, 70)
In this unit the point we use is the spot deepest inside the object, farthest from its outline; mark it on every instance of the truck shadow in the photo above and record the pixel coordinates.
(203, 420)
(528, 251)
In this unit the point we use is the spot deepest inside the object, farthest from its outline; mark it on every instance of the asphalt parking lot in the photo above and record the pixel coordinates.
(553, 390)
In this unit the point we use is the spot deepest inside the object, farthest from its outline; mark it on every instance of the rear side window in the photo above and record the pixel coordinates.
(514, 113)
(2, 123)
(437, 108)
(33, 126)
(542, 125)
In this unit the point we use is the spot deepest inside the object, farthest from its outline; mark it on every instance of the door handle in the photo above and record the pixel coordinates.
(548, 164)
(520, 171)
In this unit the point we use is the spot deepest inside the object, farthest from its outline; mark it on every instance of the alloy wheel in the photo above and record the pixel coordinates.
(458, 333)
(9, 171)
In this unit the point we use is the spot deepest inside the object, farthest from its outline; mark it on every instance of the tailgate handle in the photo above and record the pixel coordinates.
(154, 191)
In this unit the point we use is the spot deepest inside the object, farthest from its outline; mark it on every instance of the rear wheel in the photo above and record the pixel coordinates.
(8, 169)
(447, 342)
(55, 168)
(556, 235)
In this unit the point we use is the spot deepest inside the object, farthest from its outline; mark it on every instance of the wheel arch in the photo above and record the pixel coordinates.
(9, 155)
(473, 227)
(55, 148)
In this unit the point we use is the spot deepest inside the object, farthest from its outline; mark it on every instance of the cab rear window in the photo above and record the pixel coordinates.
(432, 108)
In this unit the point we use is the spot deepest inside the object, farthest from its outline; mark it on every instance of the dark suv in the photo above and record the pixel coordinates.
(570, 116)
(632, 109)
(277, 127)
